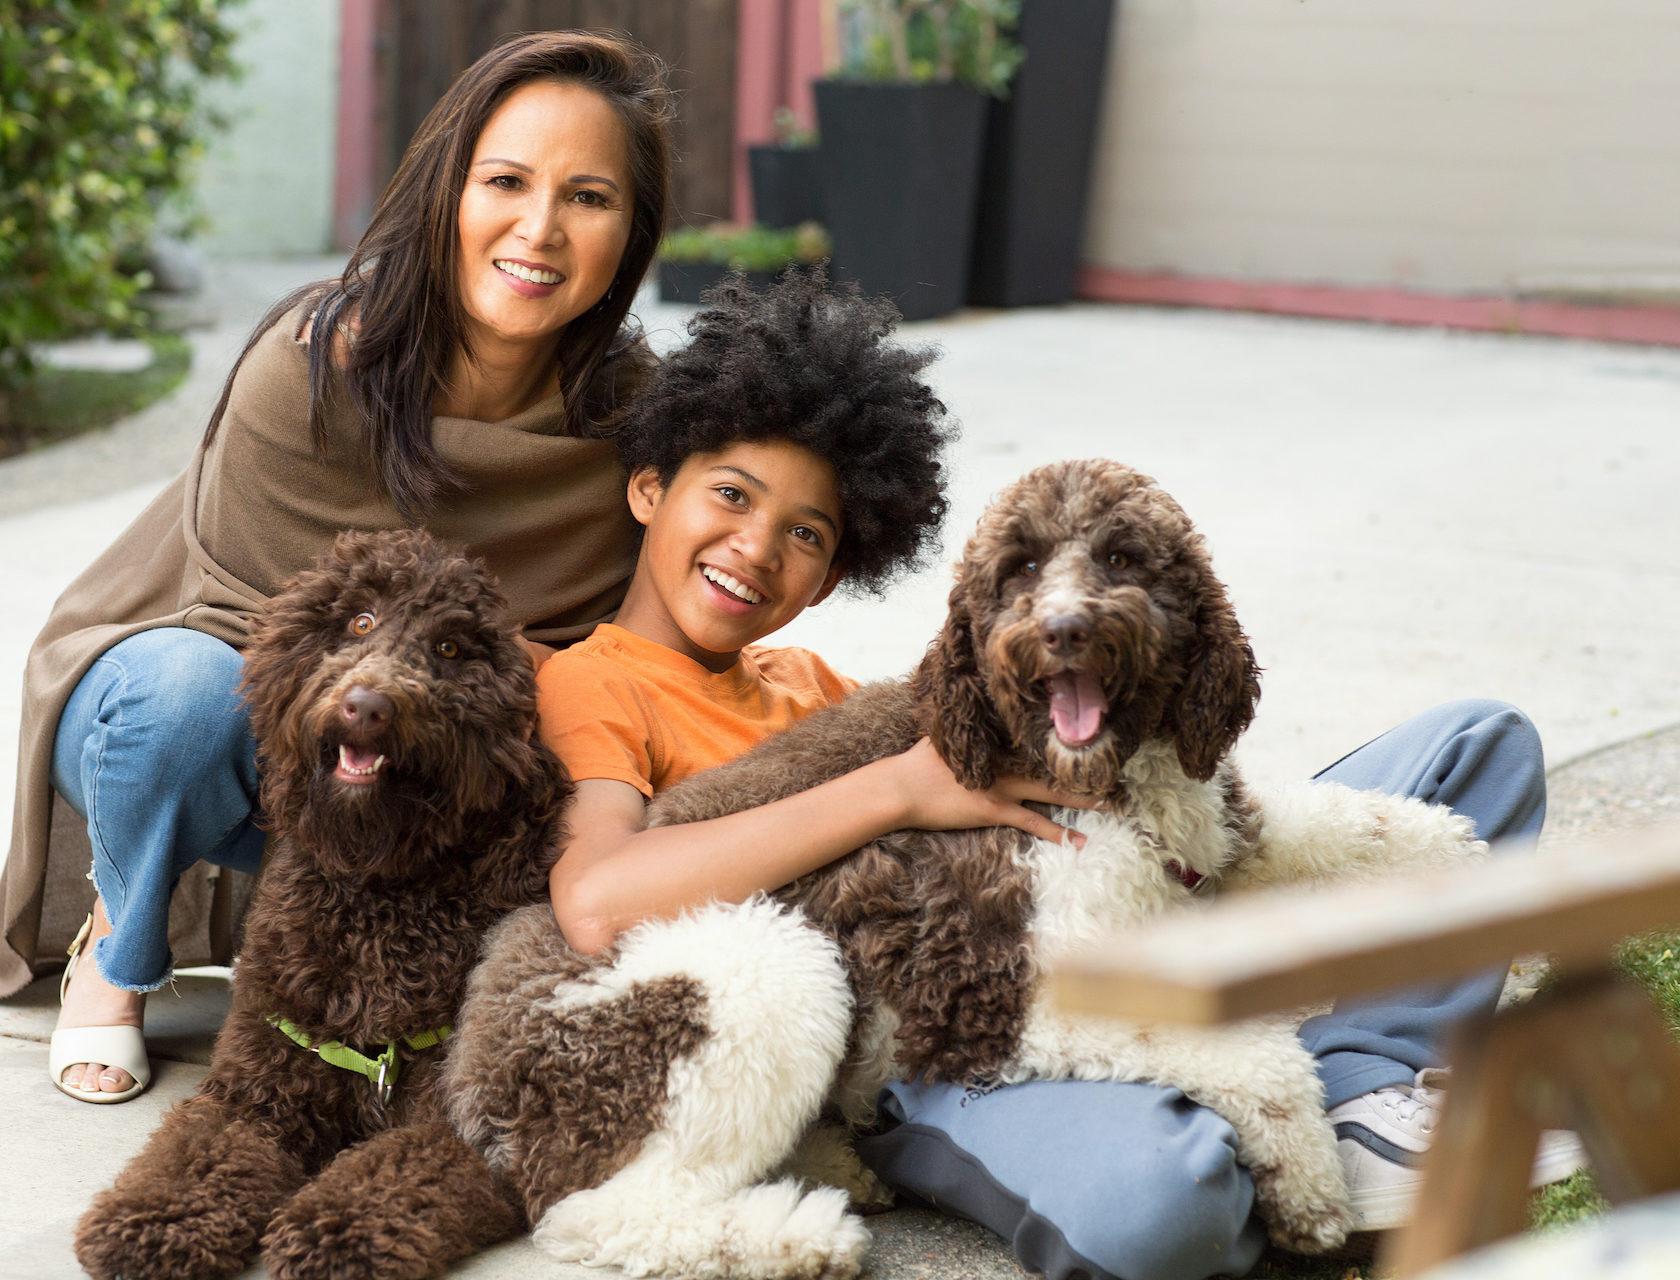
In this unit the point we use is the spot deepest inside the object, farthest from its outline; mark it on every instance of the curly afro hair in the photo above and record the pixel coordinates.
(811, 365)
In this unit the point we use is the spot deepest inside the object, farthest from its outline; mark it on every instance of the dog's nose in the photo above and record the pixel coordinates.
(1066, 633)
(366, 710)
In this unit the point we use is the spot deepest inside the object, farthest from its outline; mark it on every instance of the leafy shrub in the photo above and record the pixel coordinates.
(753, 248)
(100, 123)
(965, 41)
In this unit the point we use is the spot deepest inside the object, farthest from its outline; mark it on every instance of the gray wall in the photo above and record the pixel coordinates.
(266, 183)
(1452, 145)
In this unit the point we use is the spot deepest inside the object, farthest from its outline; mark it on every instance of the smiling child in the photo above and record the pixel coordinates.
(789, 448)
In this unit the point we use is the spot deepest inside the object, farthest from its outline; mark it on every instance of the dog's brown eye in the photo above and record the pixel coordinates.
(449, 649)
(1116, 560)
(1030, 568)
(362, 623)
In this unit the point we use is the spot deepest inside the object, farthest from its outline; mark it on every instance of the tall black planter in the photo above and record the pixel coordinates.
(786, 185)
(900, 163)
(1037, 173)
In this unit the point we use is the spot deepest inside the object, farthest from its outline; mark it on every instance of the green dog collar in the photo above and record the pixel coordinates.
(381, 1072)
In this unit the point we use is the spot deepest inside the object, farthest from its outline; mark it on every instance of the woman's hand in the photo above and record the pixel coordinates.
(933, 799)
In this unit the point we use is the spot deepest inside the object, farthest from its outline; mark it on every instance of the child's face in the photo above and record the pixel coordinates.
(738, 544)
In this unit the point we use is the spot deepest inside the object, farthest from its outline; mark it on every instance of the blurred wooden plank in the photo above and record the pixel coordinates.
(1593, 1055)
(1262, 953)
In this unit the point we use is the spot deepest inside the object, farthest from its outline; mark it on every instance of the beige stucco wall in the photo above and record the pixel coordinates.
(1454, 145)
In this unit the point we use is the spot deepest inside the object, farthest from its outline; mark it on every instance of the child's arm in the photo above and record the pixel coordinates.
(614, 873)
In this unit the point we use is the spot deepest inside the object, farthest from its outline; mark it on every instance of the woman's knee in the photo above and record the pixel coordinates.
(180, 688)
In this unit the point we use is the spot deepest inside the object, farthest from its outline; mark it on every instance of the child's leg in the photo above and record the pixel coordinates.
(1483, 760)
(1098, 1179)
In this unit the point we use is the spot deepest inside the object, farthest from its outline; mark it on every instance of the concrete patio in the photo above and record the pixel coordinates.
(1404, 516)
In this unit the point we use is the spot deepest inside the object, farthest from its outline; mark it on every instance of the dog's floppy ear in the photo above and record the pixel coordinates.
(513, 869)
(951, 701)
(285, 638)
(1215, 702)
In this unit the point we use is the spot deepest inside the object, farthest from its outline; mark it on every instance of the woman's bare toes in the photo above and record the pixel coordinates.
(94, 1077)
(115, 1080)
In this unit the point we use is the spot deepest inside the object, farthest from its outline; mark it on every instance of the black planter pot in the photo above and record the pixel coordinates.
(786, 185)
(1037, 171)
(686, 281)
(900, 163)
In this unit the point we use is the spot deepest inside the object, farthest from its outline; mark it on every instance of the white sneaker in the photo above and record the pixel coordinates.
(1382, 1137)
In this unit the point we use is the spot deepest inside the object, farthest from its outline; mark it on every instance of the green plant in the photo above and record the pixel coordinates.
(966, 41)
(55, 404)
(101, 119)
(752, 248)
(789, 132)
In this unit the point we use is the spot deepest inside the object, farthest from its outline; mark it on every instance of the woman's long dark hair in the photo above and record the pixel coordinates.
(400, 282)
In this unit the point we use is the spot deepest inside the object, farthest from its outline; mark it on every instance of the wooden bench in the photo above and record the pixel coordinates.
(1590, 1052)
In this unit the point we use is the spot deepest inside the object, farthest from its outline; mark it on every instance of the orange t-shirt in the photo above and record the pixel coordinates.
(616, 705)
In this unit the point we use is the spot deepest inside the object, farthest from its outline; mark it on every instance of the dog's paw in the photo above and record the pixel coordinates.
(309, 1246)
(120, 1238)
(869, 1194)
(797, 1236)
(315, 1241)
(774, 1231)
(825, 1157)
(1323, 1234)
(1303, 1215)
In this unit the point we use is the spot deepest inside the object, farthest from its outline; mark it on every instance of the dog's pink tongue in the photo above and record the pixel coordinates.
(1076, 706)
(357, 758)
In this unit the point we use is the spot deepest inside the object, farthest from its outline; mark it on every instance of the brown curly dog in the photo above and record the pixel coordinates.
(639, 1103)
(409, 805)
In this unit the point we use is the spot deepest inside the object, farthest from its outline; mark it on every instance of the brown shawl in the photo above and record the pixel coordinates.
(545, 510)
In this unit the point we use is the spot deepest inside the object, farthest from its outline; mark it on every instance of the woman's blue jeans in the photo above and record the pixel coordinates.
(154, 749)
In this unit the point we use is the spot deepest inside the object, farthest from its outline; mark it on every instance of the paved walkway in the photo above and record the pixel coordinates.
(1404, 516)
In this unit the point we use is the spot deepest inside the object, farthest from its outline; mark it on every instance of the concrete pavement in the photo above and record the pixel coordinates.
(1404, 516)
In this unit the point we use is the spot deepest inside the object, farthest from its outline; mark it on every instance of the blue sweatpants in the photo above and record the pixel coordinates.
(1111, 1181)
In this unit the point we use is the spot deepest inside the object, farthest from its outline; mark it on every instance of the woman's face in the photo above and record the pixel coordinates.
(545, 212)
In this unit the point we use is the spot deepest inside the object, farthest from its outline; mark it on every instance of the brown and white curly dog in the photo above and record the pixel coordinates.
(639, 1104)
(409, 805)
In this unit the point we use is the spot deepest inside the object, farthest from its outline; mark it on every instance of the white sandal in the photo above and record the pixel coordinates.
(119, 1046)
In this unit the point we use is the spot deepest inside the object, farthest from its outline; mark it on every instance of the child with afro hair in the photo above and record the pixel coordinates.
(789, 447)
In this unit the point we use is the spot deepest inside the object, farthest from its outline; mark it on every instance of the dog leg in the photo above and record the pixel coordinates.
(777, 1010)
(825, 1157)
(1323, 832)
(406, 1203)
(1256, 1075)
(193, 1202)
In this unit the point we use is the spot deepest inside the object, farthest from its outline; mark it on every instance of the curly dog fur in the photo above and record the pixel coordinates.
(375, 892)
(1089, 644)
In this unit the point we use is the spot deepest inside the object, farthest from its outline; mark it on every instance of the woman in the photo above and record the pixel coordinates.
(456, 376)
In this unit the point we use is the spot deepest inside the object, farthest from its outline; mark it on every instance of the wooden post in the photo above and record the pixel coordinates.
(1592, 1054)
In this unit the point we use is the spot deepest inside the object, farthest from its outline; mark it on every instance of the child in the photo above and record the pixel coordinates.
(790, 447)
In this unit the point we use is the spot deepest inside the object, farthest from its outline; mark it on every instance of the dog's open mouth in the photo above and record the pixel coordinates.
(1078, 707)
(358, 766)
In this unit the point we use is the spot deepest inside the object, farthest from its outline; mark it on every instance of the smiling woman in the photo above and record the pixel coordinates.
(544, 221)
(460, 375)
